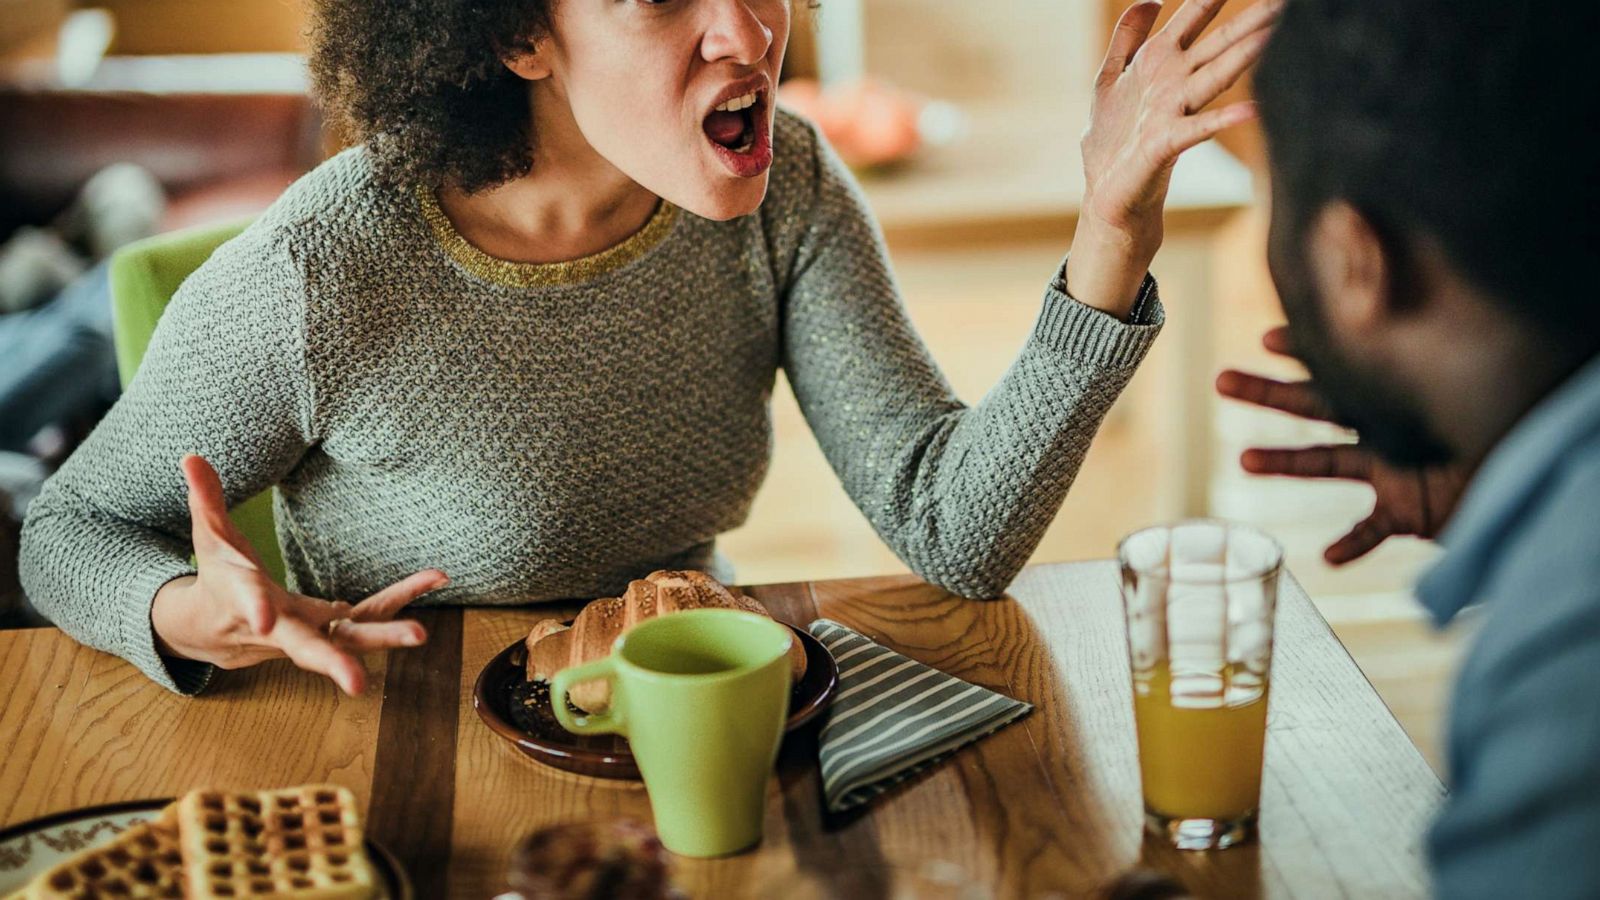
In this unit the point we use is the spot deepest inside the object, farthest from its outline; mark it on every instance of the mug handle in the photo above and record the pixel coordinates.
(608, 722)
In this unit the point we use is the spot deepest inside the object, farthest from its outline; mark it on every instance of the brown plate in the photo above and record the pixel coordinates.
(519, 711)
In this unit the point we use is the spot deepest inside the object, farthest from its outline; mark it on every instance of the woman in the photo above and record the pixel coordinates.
(526, 334)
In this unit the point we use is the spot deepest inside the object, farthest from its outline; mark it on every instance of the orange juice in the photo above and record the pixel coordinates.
(1199, 762)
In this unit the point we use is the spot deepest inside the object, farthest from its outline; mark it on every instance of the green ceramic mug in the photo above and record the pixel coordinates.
(702, 697)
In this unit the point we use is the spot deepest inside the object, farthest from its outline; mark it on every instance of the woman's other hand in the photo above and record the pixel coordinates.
(1406, 501)
(232, 614)
(1149, 106)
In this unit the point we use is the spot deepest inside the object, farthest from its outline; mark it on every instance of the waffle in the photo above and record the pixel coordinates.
(303, 843)
(143, 862)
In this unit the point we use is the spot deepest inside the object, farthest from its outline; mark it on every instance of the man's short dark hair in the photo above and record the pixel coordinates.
(1468, 122)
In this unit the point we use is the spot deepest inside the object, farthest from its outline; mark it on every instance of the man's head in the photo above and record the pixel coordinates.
(1434, 188)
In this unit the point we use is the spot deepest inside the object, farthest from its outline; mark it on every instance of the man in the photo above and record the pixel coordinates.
(1433, 240)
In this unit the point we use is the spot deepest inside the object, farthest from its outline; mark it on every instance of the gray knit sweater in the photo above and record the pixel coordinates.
(543, 432)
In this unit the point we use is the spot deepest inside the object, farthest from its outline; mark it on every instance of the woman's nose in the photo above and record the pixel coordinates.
(735, 33)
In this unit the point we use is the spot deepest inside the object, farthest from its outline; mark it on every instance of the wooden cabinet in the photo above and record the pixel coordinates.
(24, 23)
(207, 26)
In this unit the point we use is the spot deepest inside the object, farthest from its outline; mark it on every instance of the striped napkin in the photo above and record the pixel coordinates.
(894, 717)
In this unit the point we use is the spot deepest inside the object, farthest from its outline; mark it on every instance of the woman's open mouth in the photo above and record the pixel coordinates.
(739, 131)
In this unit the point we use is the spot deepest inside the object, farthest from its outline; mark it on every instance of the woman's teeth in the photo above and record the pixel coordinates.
(732, 124)
(738, 103)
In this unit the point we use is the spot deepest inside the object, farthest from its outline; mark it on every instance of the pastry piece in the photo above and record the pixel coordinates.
(620, 860)
(542, 629)
(143, 862)
(304, 843)
(553, 647)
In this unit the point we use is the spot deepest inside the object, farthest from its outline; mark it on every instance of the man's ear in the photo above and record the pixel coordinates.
(1353, 268)
(530, 62)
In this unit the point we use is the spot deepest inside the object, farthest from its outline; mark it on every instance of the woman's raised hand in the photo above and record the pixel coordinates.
(1150, 105)
(232, 614)
(1405, 501)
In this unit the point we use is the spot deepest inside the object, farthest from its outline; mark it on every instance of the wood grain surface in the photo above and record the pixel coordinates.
(414, 776)
(1049, 807)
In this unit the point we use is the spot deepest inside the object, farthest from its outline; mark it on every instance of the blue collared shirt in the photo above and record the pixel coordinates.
(1523, 816)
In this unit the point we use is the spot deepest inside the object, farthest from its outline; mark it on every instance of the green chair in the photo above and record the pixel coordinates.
(144, 276)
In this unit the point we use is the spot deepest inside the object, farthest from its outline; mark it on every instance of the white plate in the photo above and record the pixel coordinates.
(36, 846)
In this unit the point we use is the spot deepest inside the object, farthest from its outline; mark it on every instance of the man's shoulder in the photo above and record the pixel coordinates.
(1560, 540)
(1543, 597)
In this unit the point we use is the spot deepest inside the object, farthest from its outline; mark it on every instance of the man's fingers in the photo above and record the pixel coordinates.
(1207, 83)
(365, 637)
(387, 603)
(1367, 534)
(313, 651)
(1192, 18)
(1132, 29)
(1258, 18)
(1277, 340)
(1297, 398)
(1343, 461)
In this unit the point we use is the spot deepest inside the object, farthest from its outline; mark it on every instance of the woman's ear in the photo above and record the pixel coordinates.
(1353, 270)
(530, 62)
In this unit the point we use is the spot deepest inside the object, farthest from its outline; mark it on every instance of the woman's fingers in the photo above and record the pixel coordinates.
(1192, 18)
(259, 612)
(1197, 129)
(1343, 461)
(342, 624)
(1207, 83)
(1258, 17)
(208, 507)
(212, 532)
(387, 603)
(217, 540)
(1367, 534)
(318, 613)
(368, 627)
(1297, 398)
(322, 636)
(312, 650)
(1132, 29)
(365, 637)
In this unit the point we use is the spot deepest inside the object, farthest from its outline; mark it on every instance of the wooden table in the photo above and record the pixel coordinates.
(1046, 807)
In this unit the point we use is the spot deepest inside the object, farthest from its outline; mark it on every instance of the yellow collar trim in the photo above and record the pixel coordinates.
(526, 275)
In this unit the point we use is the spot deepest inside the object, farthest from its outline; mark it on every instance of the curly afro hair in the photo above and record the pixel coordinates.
(421, 82)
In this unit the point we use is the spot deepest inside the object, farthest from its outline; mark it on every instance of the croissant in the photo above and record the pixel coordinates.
(553, 646)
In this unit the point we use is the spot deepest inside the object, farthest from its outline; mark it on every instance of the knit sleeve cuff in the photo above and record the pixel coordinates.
(1068, 326)
(137, 637)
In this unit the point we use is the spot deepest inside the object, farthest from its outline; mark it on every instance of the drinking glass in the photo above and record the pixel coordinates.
(1200, 597)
